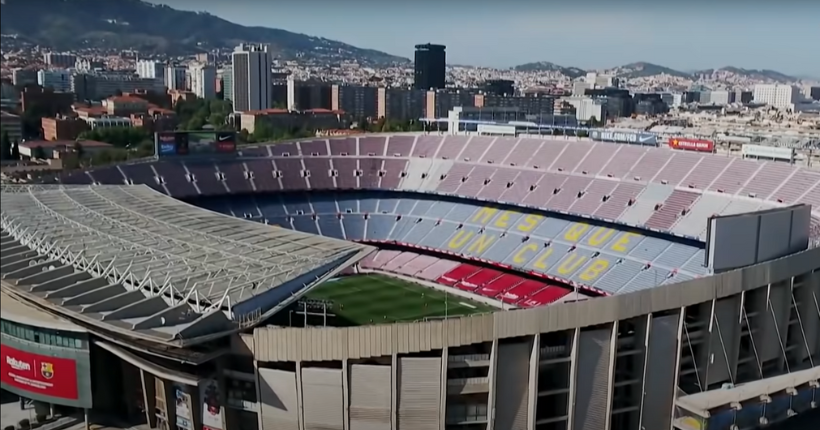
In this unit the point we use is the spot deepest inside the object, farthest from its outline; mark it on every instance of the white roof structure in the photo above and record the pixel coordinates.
(152, 265)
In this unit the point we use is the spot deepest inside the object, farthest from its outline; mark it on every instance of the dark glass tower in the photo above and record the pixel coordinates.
(430, 63)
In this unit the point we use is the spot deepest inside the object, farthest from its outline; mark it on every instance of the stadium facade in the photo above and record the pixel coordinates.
(677, 289)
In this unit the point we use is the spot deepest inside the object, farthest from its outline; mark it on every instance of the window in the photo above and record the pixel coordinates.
(42, 336)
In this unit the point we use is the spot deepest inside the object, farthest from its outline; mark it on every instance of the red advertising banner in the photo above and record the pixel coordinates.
(687, 144)
(39, 374)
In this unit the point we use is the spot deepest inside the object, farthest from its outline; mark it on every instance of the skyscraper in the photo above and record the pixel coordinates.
(175, 78)
(251, 80)
(202, 79)
(430, 66)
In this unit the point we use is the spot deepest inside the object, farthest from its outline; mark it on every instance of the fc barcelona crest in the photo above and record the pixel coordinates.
(47, 370)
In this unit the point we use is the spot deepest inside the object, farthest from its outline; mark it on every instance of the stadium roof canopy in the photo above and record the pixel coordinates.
(152, 266)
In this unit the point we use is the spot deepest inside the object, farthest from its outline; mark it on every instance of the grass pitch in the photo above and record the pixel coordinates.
(379, 299)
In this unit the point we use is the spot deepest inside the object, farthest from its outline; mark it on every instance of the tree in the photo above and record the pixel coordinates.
(38, 152)
(79, 150)
(5, 146)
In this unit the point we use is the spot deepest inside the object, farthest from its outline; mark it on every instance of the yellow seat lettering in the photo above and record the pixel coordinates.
(484, 215)
(594, 270)
(460, 239)
(529, 223)
(622, 242)
(571, 264)
(600, 236)
(503, 220)
(541, 261)
(521, 256)
(481, 243)
(575, 232)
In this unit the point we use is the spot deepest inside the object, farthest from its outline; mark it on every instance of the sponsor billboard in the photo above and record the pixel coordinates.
(624, 136)
(211, 408)
(195, 143)
(26, 372)
(687, 144)
(768, 152)
(182, 406)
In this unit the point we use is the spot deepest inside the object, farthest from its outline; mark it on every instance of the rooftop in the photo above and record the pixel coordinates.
(154, 267)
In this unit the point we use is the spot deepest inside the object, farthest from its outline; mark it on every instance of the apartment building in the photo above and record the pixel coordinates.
(777, 96)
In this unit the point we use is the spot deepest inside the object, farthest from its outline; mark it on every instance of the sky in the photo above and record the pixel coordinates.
(590, 34)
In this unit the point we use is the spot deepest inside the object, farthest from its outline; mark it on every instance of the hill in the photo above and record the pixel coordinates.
(545, 66)
(643, 69)
(761, 75)
(147, 27)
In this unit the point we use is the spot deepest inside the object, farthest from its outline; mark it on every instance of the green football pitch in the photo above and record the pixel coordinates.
(379, 299)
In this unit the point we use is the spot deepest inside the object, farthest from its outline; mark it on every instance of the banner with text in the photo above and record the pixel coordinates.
(624, 136)
(688, 144)
(194, 143)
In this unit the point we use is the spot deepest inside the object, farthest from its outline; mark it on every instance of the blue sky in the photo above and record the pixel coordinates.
(685, 35)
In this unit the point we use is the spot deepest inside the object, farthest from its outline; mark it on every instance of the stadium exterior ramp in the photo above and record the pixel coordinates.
(135, 262)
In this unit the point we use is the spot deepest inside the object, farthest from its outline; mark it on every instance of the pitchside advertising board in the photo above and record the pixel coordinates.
(45, 378)
(687, 144)
(621, 136)
(194, 143)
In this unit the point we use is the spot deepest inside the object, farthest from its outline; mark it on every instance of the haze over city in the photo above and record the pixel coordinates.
(681, 35)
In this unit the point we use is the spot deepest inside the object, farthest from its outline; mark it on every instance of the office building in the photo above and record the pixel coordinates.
(307, 95)
(533, 105)
(814, 93)
(202, 78)
(23, 77)
(251, 79)
(57, 80)
(175, 78)
(777, 96)
(227, 82)
(63, 61)
(430, 67)
(401, 104)
(150, 69)
(619, 103)
(499, 87)
(360, 102)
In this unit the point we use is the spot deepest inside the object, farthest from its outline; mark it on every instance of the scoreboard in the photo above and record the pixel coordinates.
(194, 143)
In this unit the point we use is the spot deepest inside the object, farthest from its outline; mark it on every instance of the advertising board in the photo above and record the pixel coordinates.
(195, 143)
(768, 152)
(687, 144)
(211, 408)
(624, 136)
(38, 374)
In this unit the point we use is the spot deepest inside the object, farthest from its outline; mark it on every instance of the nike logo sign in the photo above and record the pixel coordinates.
(224, 138)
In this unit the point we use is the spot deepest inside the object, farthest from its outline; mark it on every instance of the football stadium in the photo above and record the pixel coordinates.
(415, 282)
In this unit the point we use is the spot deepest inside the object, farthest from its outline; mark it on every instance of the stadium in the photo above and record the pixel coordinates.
(418, 281)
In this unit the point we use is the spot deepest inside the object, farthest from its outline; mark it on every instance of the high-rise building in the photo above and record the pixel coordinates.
(23, 77)
(64, 61)
(57, 80)
(814, 93)
(430, 67)
(777, 96)
(251, 80)
(202, 78)
(175, 78)
(227, 82)
(150, 69)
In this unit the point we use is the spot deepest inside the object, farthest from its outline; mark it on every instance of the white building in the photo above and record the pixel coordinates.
(150, 69)
(58, 80)
(175, 78)
(586, 108)
(202, 79)
(55, 59)
(777, 96)
(251, 80)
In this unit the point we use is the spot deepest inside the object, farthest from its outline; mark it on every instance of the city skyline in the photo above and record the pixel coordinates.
(595, 37)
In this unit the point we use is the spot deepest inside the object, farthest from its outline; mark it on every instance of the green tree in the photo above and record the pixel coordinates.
(122, 137)
(79, 150)
(5, 146)
(38, 152)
